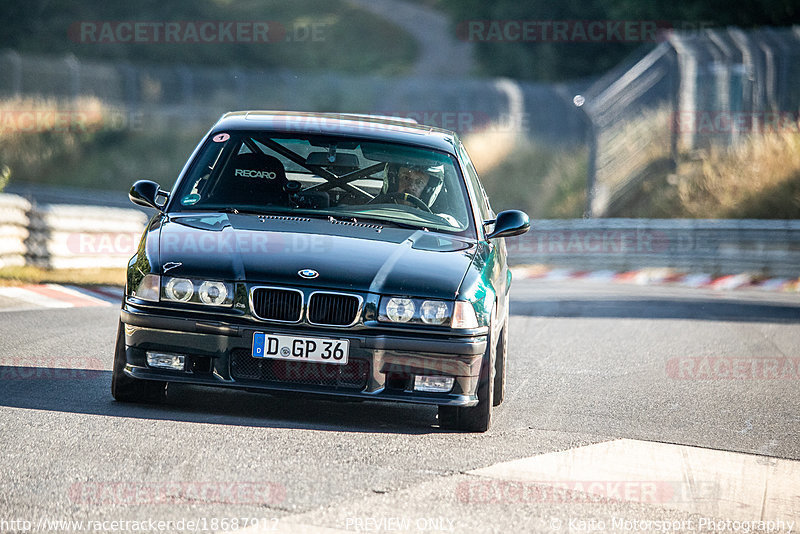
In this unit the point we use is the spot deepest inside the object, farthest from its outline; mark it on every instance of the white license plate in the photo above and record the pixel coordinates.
(304, 349)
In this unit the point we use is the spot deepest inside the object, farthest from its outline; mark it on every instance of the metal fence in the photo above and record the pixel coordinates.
(715, 86)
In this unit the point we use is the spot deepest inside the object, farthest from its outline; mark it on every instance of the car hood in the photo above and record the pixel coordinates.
(347, 256)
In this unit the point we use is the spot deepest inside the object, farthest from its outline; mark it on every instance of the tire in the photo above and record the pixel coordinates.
(474, 418)
(127, 389)
(500, 366)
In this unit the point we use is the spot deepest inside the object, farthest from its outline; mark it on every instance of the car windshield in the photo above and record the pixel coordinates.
(267, 173)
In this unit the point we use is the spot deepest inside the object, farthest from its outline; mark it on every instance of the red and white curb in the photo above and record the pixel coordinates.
(57, 296)
(661, 276)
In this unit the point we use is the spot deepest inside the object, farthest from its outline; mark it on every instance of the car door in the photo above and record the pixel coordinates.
(493, 251)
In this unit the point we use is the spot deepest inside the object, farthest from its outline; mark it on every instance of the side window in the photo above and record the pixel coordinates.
(475, 184)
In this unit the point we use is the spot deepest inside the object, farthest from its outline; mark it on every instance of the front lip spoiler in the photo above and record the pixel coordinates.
(442, 399)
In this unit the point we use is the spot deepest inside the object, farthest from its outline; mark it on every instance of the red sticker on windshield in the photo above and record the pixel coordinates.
(221, 138)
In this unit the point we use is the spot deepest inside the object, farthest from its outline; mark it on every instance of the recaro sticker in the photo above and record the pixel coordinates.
(248, 173)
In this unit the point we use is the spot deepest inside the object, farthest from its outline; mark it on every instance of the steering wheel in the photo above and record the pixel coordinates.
(408, 198)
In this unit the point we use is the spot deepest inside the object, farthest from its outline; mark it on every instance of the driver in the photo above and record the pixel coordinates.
(411, 180)
(411, 184)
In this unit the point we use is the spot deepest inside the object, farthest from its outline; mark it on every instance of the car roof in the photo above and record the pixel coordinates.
(381, 128)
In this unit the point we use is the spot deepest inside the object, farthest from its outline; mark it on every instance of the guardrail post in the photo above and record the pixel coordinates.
(591, 167)
(675, 89)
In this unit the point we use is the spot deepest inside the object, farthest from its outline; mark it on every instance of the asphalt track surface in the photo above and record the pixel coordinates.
(588, 363)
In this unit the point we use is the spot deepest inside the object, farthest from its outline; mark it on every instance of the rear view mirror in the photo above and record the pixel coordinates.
(509, 223)
(148, 194)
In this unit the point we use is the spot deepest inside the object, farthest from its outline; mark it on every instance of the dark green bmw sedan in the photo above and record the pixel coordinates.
(351, 256)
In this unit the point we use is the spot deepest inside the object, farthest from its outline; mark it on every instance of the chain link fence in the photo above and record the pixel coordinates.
(695, 89)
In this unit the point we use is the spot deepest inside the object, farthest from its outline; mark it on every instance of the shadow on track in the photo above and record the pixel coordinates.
(88, 392)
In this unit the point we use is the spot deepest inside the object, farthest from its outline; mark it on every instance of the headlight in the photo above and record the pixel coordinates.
(180, 289)
(433, 312)
(213, 293)
(400, 310)
(427, 312)
(149, 288)
(208, 292)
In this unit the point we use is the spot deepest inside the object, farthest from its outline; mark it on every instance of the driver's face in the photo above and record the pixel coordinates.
(411, 181)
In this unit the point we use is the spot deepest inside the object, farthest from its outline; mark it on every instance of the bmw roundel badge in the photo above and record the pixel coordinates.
(308, 273)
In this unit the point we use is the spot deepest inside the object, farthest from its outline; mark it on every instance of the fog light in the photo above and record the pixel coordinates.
(433, 384)
(165, 360)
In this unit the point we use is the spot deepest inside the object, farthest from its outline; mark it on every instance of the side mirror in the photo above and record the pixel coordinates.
(509, 223)
(147, 193)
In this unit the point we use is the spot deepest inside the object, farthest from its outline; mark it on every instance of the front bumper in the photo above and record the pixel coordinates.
(380, 366)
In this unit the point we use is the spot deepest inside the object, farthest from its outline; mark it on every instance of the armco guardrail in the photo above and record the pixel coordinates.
(84, 237)
(13, 230)
(769, 247)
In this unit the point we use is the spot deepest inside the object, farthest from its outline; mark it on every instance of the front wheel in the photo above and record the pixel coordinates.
(500, 365)
(474, 418)
(127, 389)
